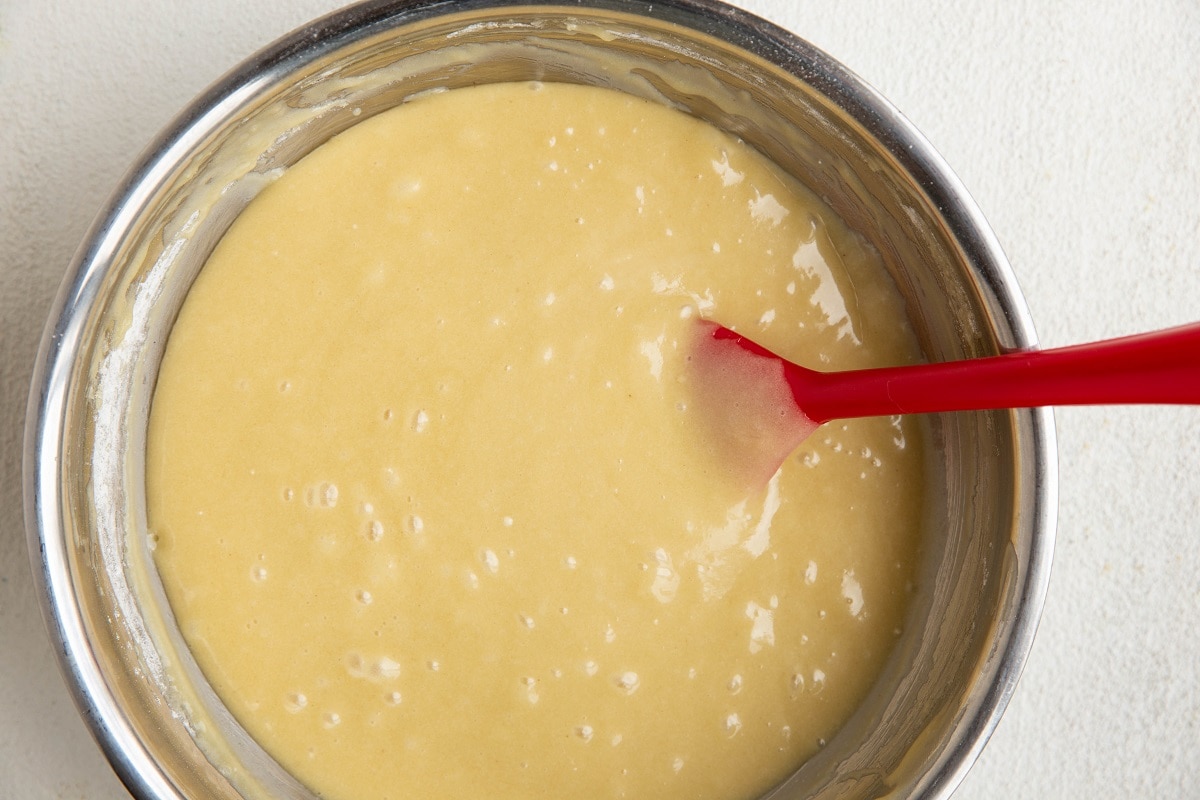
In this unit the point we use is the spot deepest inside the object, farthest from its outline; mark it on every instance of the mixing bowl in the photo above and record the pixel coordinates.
(989, 520)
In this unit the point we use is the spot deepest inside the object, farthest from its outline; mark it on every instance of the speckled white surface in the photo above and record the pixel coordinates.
(1076, 126)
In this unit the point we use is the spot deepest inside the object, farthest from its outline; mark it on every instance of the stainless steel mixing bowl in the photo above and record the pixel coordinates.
(990, 524)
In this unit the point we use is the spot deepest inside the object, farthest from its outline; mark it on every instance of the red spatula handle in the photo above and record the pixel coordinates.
(1160, 367)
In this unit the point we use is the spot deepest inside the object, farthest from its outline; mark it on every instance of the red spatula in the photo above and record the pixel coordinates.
(771, 404)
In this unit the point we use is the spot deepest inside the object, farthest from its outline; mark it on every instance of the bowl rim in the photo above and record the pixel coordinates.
(63, 336)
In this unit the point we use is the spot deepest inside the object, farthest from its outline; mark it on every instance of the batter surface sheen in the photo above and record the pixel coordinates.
(430, 501)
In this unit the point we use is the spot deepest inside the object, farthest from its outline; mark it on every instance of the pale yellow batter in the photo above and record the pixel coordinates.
(432, 506)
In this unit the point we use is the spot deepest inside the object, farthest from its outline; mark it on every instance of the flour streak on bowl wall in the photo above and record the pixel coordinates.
(522, 567)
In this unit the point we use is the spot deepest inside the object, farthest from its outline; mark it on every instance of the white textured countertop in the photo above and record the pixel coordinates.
(1076, 126)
